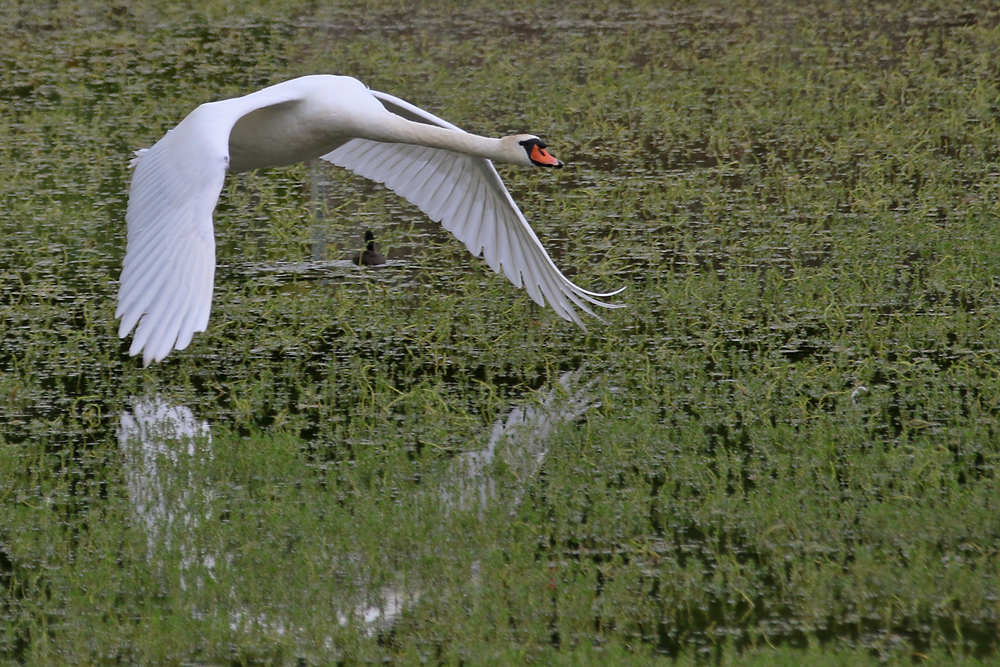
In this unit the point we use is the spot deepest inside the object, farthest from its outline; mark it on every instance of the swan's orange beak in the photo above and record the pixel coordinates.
(543, 158)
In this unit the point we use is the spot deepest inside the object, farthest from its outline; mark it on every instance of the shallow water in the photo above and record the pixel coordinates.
(788, 437)
(168, 501)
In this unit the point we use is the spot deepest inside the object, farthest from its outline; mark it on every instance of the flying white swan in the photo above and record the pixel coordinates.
(169, 268)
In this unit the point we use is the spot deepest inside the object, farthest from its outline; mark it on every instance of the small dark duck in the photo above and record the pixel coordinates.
(370, 256)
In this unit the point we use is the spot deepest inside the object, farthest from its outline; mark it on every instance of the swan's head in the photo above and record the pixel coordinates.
(529, 150)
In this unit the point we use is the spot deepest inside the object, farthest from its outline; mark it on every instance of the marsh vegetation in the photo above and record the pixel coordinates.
(784, 450)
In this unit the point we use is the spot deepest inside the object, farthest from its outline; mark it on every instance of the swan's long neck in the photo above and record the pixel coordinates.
(395, 129)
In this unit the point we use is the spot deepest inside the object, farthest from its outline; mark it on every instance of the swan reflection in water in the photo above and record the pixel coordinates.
(165, 448)
(519, 442)
(158, 440)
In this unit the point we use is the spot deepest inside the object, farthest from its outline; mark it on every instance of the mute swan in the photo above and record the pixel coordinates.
(169, 268)
(369, 256)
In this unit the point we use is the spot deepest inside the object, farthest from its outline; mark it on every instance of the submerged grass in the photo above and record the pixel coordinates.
(790, 454)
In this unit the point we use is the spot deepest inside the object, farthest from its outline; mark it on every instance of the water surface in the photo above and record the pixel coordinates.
(787, 438)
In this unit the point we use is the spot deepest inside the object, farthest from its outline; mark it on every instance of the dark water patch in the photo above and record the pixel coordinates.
(14, 644)
(535, 24)
(660, 155)
(703, 626)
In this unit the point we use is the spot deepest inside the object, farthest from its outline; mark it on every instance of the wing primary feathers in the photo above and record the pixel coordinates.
(168, 272)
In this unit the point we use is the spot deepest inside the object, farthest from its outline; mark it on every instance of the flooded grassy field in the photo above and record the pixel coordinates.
(783, 451)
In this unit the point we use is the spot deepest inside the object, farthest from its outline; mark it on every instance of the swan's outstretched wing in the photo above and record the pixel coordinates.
(465, 194)
(169, 268)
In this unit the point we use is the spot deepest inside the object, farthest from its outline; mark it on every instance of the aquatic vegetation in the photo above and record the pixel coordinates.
(788, 452)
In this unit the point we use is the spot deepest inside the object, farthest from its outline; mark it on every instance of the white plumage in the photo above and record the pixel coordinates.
(168, 273)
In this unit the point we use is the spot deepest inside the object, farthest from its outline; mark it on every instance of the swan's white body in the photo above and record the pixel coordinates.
(168, 273)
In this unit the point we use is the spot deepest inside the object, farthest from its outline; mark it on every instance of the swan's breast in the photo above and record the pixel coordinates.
(282, 134)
